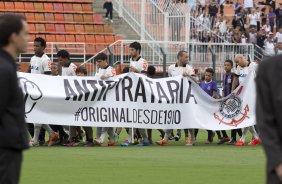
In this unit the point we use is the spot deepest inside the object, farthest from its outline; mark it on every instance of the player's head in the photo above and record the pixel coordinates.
(81, 71)
(209, 74)
(63, 57)
(39, 46)
(183, 57)
(54, 69)
(13, 33)
(101, 60)
(241, 60)
(125, 69)
(228, 65)
(135, 49)
(151, 71)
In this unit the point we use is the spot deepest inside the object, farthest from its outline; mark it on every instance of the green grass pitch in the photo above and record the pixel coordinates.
(176, 163)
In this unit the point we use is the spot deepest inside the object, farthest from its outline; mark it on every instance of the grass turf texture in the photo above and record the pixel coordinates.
(176, 163)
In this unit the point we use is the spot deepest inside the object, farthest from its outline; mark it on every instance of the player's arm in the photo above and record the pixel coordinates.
(109, 73)
(29, 69)
(47, 66)
(235, 82)
(214, 94)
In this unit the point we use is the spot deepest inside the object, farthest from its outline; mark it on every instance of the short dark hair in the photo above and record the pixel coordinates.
(9, 24)
(42, 41)
(210, 70)
(63, 54)
(81, 69)
(229, 61)
(101, 56)
(151, 70)
(180, 53)
(136, 46)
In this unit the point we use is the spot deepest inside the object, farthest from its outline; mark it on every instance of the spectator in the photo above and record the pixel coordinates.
(253, 36)
(278, 36)
(269, 48)
(248, 5)
(221, 5)
(261, 38)
(267, 27)
(278, 50)
(271, 18)
(257, 12)
(278, 13)
(108, 5)
(237, 6)
(213, 10)
(202, 6)
(252, 19)
(263, 17)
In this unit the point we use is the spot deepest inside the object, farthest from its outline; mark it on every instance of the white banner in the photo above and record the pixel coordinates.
(133, 100)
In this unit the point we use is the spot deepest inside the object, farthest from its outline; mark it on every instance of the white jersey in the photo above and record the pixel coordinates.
(279, 37)
(243, 72)
(39, 65)
(106, 72)
(174, 70)
(253, 19)
(140, 64)
(70, 70)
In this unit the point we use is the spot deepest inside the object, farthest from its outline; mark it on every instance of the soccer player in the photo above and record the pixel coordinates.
(41, 64)
(68, 69)
(242, 70)
(63, 136)
(104, 72)
(181, 67)
(210, 87)
(137, 65)
(81, 71)
(227, 87)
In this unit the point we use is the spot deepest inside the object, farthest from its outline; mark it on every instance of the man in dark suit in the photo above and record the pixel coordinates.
(13, 132)
(269, 116)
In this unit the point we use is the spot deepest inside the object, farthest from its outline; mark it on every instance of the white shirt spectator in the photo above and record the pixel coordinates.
(278, 36)
(202, 3)
(222, 26)
(39, 65)
(248, 4)
(70, 70)
(253, 38)
(269, 48)
(266, 28)
(253, 19)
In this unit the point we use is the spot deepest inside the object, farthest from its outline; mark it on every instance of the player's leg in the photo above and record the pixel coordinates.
(256, 140)
(241, 142)
(145, 141)
(89, 133)
(53, 135)
(35, 139)
(166, 137)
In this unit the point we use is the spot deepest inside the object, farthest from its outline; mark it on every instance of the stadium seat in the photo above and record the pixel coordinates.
(58, 7)
(19, 6)
(89, 29)
(87, 7)
(31, 28)
(50, 38)
(30, 17)
(109, 39)
(39, 7)
(70, 28)
(40, 28)
(59, 18)
(108, 29)
(80, 38)
(78, 18)
(9, 6)
(60, 38)
(68, 18)
(39, 17)
(49, 17)
(48, 7)
(29, 7)
(88, 18)
(50, 28)
(79, 28)
(68, 7)
(98, 19)
(60, 28)
(77, 8)
(99, 29)
(70, 38)
(2, 6)
(100, 39)
(31, 37)
(90, 39)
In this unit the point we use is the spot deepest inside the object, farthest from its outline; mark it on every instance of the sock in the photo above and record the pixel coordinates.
(37, 128)
(254, 132)
(144, 135)
(111, 134)
(245, 130)
(48, 129)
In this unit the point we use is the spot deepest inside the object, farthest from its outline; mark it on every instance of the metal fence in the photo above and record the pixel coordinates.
(162, 21)
(162, 54)
(77, 51)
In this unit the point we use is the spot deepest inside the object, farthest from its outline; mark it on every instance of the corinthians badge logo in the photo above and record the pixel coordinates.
(230, 109)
